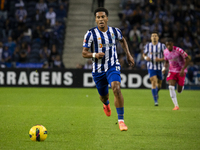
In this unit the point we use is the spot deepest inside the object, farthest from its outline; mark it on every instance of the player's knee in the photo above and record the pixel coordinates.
(116, 90)
(103, 98)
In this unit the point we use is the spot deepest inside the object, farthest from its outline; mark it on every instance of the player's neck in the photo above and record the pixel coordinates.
(154, 43)
(104, 29)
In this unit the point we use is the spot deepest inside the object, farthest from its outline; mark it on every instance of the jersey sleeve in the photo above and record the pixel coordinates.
(163, 47)
(146, 49)
(165, 55)
(182, 53)
(119, 34)
(87, 39)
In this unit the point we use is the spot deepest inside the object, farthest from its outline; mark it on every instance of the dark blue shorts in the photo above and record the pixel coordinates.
(103, 79)
(157, 73)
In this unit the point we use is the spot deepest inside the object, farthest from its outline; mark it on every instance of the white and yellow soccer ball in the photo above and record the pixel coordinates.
(38, 133)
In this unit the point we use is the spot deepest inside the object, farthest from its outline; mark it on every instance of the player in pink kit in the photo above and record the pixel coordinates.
(177, 60)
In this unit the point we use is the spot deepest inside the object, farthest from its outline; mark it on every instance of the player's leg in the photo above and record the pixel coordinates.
(119, 104)
(160, 77)
(114, 79)
(102, 87)
(154, 84)
(171, 78)
(181, 81)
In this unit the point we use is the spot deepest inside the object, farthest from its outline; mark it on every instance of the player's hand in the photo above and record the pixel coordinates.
(99, 55)
(157, 59)
(131, 61)
(182, 73)
(163, 71)
(148, 59)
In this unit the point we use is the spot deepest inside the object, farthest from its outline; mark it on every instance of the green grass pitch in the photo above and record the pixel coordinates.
(75, 120)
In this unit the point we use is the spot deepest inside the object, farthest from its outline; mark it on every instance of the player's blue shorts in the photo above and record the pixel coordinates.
(157, 73)
(103, 79)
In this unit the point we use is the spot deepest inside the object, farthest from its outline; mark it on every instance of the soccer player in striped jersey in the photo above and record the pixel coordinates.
(153, 54)
(106, 67)
(177, 60)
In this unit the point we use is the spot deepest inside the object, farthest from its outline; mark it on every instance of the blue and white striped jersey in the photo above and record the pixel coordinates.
(103, 42)
(154, 51)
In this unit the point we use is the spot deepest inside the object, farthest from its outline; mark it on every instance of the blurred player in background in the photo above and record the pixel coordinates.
(153, 54)
(106, 67)
(177, 60)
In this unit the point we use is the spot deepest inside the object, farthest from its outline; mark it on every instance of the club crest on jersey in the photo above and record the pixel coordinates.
(113, 36)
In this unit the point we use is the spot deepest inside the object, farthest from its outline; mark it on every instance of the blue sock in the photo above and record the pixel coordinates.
(158, 89)
(107, 102)
(120, 112)
(154, 93)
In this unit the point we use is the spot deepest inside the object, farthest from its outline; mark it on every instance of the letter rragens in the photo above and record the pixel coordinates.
(68, 80)
(23, 78)
(56, 78)
(34, 78)
(1, 78)
(45, 78)
(11, 78)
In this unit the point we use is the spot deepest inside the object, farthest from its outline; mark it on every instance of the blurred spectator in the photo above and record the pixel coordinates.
(126, 13)
(79, 66)
(53, 54)
(38, 18)
(8, 28)
(57, 62)
(37, 33)
(3, 9)
(1, 51)
(23, 52)
(19, 3)
(27, 34)
(61, 13)
(168, 18)
(51, 15)
(11, 44)
(21, 15)
(197, 57)
(16, 54)
(134, 31)
(17, 33)
(187, 42)
(166, 32)
(7, 54)
(192, 72)
(46, 65)
(88, 64)
(42, 7)
(44, 54)
(47, 33)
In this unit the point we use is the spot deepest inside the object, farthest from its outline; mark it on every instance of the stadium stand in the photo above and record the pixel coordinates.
(26, 26)
(179, 19)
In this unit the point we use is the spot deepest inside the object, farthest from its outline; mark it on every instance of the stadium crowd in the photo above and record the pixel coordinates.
(178, 19)
(32, 31)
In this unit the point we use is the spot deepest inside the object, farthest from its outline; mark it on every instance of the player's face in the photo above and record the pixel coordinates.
(101, 19)
(154, 38)
(169, 45)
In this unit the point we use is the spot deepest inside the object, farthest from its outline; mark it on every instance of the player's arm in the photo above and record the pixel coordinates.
(166, 64)
(187, 61)
(126, 49)
(87, 54)
(146, 57)
(159, 59)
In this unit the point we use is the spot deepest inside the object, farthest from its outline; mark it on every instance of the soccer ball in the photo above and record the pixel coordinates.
(38, 133)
